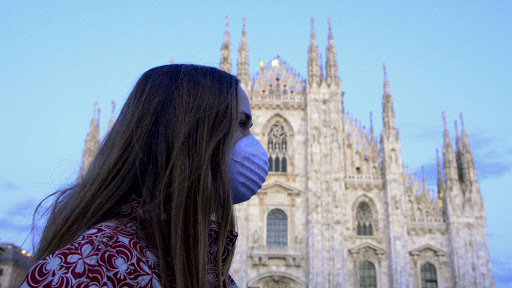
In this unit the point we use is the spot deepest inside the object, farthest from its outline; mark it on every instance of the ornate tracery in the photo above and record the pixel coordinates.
(364, 220)
(277, 149)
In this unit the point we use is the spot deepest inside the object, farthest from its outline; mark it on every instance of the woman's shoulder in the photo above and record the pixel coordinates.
(109, 254)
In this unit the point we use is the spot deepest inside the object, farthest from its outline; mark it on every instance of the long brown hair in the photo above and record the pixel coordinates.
(168, 147)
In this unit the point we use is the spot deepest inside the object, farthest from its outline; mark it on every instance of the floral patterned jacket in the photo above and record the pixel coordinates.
(111, 255)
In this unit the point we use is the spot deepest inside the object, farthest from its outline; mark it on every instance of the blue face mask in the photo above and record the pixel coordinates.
(247, 168)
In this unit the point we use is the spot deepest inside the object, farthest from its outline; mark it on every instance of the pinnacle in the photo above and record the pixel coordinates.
(456, 128)
(386, 83)
(243, 28)
(111, 122)
(330, 38)
(313, 40)
(462, 121)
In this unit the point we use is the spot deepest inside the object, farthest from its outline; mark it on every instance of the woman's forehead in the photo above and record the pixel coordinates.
(243, 102)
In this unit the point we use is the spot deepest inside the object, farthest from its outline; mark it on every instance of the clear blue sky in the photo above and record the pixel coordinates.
(58, 58)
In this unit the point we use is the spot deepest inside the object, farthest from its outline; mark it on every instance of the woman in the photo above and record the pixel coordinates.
(154, 208)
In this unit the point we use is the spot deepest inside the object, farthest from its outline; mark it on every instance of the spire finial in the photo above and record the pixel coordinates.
(462, 121)
(111, 122)
(423, 177)
(95, 112)
(243, 28)
(456, 128)
(444, 122)
(313, 39)
(331, 64)
(226, 32)
(225, 54)
(92, 139)
(464, 134)
(388, 112)
(243, 60)
(313, 65)
(440, 191)
(331, 39)
(386, 83)
(446, 134)
(371, 126)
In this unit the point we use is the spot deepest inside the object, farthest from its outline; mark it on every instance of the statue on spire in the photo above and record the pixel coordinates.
(386, 83)
(92, 142)
(225, 50)
(388, 111)
(313, 63)
(111, 122)
(243, 61)
(440, 182)
(331, 64)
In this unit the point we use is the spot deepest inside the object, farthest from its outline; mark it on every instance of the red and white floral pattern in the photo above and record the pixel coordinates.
(112, 254)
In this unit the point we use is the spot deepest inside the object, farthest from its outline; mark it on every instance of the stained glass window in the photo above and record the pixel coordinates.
(428, 276)
(277, 228)
(367, 276)
(277, 149)
(364, 220)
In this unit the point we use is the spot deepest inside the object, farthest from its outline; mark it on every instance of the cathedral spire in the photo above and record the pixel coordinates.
(449, 159)
(372, 133)
(331, 64)
(388, 111)
(243, 61)
(92, 141)
(111, 122)
(225, 50)
(458, 141)
(313, 63)
(468, 165)
(463, 131)
(459, 155)
(423, 180)
(440, 184)
(386, 83)
(321, 67)
(446, 135)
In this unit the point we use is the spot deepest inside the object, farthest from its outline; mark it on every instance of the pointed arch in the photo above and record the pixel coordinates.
(365, 217)
(278, 118)
(277, 134)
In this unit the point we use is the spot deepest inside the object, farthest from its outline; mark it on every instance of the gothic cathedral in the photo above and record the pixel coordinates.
(338, 208)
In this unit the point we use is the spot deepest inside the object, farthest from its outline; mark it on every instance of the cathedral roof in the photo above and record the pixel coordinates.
(277, 81)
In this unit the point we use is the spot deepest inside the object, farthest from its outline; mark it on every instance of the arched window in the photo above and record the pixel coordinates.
(277, 149)
(364, 220)
(367, 276)
(277, 228)
(428, 276)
